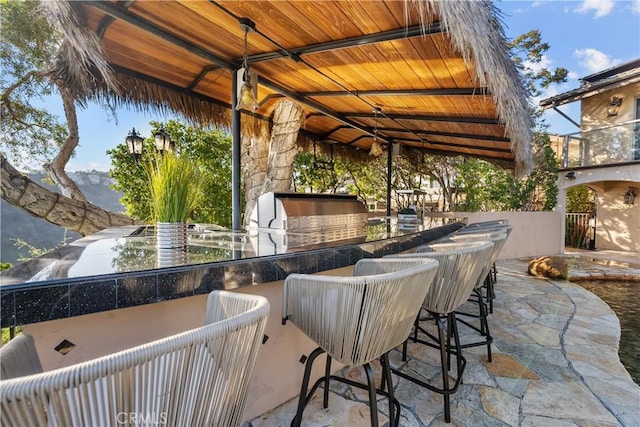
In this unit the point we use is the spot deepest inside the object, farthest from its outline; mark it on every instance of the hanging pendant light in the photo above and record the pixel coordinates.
(247, 99)
(376, 149)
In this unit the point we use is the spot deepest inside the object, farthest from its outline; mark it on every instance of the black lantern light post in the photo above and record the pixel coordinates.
(163, 141)
(134, 143)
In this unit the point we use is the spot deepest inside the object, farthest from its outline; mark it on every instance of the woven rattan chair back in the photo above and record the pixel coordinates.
(485, 224)
(373, 266)
(198, 377)
(357, 319)
(19, 357)
(498, 239)
(505, 228)
(460, 266)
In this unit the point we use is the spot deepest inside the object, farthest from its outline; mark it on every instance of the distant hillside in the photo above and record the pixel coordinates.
(16, 223)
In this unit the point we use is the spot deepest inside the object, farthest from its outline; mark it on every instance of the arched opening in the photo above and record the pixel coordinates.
(580, 218)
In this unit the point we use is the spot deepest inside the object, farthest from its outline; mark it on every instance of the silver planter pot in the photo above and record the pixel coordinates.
(171, 257)
(171, 235)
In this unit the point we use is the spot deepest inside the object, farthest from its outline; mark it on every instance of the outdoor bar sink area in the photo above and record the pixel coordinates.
(110, 291)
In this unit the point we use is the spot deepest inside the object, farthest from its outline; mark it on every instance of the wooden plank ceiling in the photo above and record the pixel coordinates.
(339, 59)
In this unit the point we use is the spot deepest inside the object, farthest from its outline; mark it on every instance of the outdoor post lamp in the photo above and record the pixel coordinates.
(134, 142)
(163, 141)
(630, 195)
(614, 106)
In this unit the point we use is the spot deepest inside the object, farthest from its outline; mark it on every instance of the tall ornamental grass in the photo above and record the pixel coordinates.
(177, 188)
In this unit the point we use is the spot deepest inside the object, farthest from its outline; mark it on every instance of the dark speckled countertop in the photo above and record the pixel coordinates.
(119, 267)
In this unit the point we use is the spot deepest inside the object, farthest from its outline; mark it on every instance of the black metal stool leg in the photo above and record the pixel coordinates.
(449, 334)
(327, 375)
(394, 418)
(415, 337)
(490, 290)
(302, 400)
(456, 340)
(484, 327)
(478, 293)
(445, 372)
(373, 405)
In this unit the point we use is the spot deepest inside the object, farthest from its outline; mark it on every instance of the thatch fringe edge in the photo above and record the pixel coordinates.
(473, 26)
(476, 33)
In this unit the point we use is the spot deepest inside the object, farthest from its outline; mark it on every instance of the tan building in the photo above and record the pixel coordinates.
(605, 154)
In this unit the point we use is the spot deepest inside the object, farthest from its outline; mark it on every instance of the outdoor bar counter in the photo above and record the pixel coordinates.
(112, 290)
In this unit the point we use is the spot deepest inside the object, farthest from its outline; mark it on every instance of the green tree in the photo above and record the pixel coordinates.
(487, 187)
(29, 52)
(365, 179)
(210, 150)
(527, 53)
(28, 49)
(581, 199)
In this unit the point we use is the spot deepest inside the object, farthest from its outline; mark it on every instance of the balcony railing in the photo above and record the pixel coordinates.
(607, 145)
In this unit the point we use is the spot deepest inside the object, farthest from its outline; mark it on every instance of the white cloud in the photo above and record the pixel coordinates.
(600, 7)
(635, 7)
(545, 62)
(539, 3)
(554, 90)
(572, 75)
(593, 60)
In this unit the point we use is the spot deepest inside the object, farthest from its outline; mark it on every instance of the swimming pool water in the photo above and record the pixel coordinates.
(624, 300)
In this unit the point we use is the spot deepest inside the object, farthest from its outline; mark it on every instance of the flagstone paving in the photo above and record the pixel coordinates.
(555, 364)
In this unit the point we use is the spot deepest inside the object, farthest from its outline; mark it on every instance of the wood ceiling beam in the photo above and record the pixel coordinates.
(483, 91)
(418, 117)
(120, 12)
(202, 75)
(322, 110)
(108, 20)
(448, 144)
(400, 33)
(439, 152)
(164, 84)
(335, 129)
(447, 134)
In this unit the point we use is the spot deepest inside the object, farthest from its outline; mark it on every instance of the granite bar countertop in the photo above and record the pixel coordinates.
(119, 267)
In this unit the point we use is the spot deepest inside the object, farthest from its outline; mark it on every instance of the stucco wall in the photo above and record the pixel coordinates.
(611, 145)
(618, 224)
(594, 108)
(534, 233)
(278, 372)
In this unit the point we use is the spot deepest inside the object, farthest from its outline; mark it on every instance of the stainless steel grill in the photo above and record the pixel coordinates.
(302, 212)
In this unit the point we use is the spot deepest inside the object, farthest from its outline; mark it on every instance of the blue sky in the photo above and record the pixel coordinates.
(585, 37)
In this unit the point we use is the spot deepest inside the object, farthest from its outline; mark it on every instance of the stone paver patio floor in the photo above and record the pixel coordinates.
(555, 364)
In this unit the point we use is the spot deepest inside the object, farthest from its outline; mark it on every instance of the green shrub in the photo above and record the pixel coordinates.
(177, 188)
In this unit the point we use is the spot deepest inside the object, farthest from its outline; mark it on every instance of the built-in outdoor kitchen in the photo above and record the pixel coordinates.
(108, 291)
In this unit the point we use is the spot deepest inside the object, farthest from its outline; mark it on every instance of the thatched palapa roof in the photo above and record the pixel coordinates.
(439, 70)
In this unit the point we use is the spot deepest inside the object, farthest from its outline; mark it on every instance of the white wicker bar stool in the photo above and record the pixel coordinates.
(498, 240)
(492, 276)
(486, 224)
(195, 378)
(460, 266)
(355, 320)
